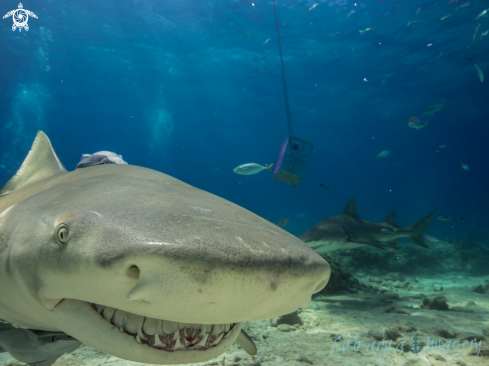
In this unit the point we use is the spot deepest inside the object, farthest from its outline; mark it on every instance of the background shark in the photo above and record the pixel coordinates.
(141, 265)
(348, 231)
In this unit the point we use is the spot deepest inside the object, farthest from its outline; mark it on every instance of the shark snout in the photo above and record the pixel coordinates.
(214, 288)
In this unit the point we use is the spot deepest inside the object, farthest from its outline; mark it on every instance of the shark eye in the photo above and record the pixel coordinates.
(62, 233)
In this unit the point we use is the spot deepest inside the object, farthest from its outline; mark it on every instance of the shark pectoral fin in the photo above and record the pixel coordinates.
(40, 163)
(245, 341)
(314, 246)
(376, 244)
(419, 241)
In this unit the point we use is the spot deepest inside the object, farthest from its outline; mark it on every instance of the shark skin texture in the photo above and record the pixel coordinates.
(140, 265)
(349, 231)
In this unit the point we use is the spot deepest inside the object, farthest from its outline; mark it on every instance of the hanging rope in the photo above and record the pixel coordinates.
(286, 96)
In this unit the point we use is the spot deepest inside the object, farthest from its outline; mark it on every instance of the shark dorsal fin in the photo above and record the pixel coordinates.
(351, 208)
(391, 219)
(40, 163)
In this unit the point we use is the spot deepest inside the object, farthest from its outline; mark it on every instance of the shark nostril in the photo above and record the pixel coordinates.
(133, 272)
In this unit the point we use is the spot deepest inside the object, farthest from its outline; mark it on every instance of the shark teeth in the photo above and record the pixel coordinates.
(164, 334)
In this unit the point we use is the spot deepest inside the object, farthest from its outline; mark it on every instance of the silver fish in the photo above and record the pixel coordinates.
(448, 218)
(478, 69)
(252, 168)
(432, 109)
(482, 14)
(383, 154)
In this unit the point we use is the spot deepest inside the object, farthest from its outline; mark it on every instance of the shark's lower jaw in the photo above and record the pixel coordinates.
(142, 339)
(164, 334)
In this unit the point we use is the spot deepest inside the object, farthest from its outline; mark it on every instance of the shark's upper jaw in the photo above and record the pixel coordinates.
(143, 339)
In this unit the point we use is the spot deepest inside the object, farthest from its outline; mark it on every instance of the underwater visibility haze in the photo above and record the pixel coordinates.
(170, 118)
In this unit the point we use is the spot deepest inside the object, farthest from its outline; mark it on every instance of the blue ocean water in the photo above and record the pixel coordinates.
(194, 89)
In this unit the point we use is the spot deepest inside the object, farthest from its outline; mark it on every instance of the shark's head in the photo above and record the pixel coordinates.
(326, 236)
(141, 265)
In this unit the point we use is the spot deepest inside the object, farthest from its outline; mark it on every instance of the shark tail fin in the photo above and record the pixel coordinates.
(418, 229)
(269, 167)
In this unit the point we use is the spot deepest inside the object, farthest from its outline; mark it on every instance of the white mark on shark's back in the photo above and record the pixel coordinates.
(157, 243)
(117, 190)
(96, 213)
(248, 246)
(201, 210)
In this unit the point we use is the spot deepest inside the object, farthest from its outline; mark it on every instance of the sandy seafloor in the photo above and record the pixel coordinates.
(393, 304)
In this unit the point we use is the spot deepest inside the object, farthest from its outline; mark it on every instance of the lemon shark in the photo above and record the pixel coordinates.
(349, 231)
(140, 265)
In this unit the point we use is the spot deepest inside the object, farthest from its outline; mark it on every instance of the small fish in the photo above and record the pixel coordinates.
(386, 77)
(417, 11)
(413, 22)
(465, 166)
(266, 41)
(282, 222)
(475, 33)
(252, 168)
(366, 30)
(415, 122)
(483, 34)
(479, 71)
(432, 109)
(448, 218)
(441, 53)
(351, 13)
(334, 34)
(329, 189)
(383, 154)
(445, 17)
(430, 239)
(482, 14)
(242, 31)
(311, 8)
(466, 5)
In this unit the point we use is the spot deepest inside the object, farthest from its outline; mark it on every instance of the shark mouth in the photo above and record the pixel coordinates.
(163, 334)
